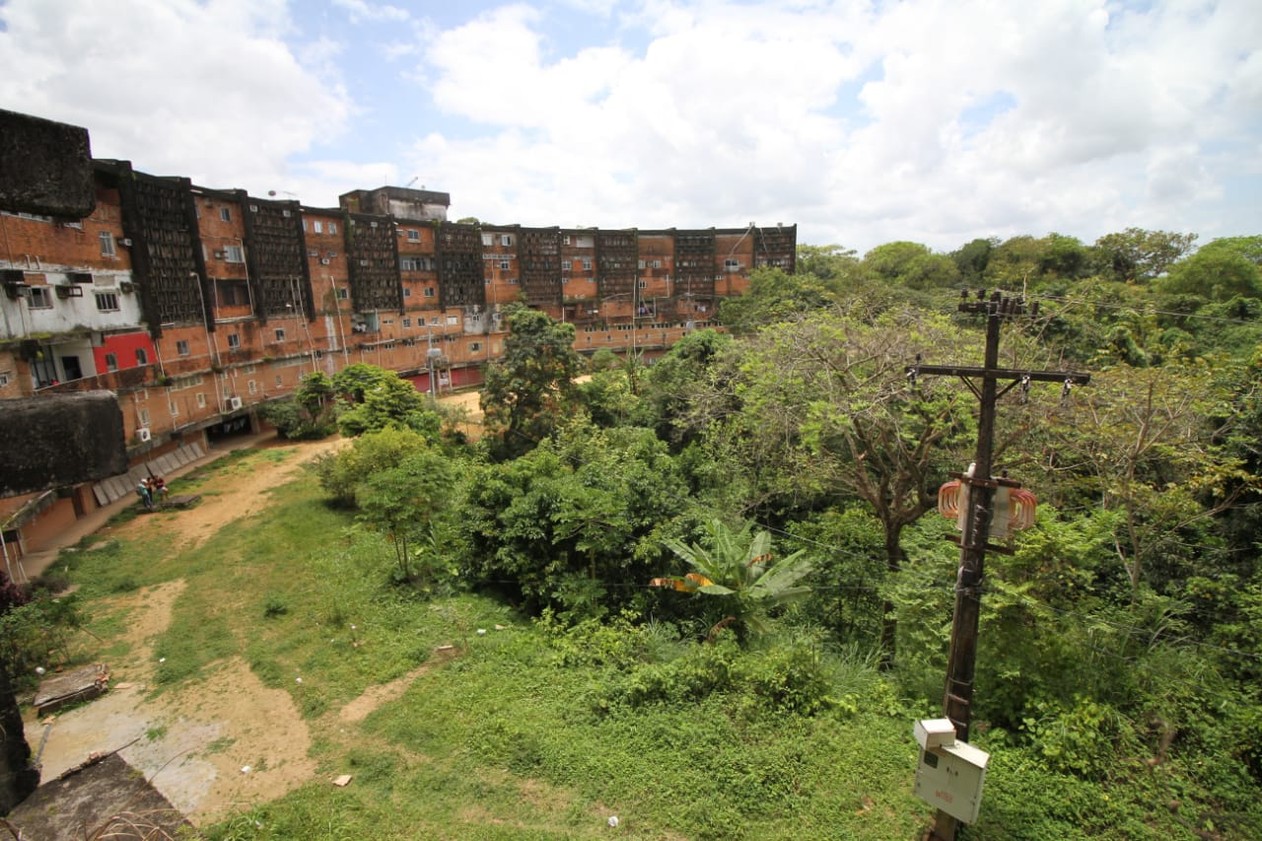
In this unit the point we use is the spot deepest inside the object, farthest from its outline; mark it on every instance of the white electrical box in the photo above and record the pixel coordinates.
(934, 733)
(950, 775)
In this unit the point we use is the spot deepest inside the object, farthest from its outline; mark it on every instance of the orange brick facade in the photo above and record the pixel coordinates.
(195, 306)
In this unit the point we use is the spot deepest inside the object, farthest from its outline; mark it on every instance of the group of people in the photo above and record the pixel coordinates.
(152, 489)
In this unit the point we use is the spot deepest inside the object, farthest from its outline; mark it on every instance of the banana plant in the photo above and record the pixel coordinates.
(738, 569)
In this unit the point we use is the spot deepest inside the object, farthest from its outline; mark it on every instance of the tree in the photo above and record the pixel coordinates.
(775, 296)
(530, 389)
(572, 524)
(912, 265)
(310, 413)
(824, 409)
(1138, 256)
(1222, 270)
(391, 401)
(973, 257)
(1140, 443)
(342, 473)
(826, 262)
(402, 502)
(739, 570)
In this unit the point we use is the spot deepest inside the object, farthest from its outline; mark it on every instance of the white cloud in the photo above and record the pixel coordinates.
(857, 121)
(933, 120)
(207, 90)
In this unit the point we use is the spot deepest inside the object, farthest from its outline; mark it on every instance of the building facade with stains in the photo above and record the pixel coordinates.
(196, 306)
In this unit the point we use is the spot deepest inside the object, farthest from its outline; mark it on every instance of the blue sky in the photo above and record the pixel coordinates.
(863, 122)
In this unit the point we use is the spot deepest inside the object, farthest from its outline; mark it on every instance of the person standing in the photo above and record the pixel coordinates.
(145, 493)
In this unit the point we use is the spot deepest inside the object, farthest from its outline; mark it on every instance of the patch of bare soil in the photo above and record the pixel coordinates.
(232, 495)
(195, 742)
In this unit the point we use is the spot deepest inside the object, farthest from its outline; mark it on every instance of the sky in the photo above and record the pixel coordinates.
(935, 121)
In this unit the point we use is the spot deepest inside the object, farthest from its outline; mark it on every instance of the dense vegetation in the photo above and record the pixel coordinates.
(733, 562)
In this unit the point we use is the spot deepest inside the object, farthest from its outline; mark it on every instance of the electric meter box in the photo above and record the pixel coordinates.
(950, 778)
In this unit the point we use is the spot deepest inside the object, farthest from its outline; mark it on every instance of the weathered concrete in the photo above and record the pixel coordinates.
(105, 793)
(45, 167)
(49, 442)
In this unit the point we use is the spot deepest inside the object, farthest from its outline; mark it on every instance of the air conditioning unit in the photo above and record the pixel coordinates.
(324, 261)
(144, 434)
(126, 286)
(234, 404)
(68, 291)
(219, 255)
(125, 242)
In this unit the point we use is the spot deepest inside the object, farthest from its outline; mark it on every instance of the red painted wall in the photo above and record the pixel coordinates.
(124, 346)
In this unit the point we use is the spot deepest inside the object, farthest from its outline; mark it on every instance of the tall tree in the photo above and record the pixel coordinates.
(826, 409)
(1138, 256)
(530, 389)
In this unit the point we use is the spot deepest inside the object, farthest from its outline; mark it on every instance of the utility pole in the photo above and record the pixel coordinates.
(980, 486)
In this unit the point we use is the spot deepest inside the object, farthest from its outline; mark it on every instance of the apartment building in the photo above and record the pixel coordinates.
(195, 306)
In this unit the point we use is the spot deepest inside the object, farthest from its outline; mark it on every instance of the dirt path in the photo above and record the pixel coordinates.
(226, 741)
(237, 493)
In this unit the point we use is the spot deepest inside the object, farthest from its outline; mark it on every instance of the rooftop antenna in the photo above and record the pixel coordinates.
(415, 178)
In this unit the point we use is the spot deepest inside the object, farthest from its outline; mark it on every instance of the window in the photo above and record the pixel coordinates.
(313, 252)
(453, 320)
(333, 227)
(587, 264)
(225, 215)
(434, 321)
(343, 293)
(234, 340)
(181, 347)
(107, 244)
(142, 356)
(317, 226)
(201, 400)
(173, 408)
(107, 302)
(416, 264)
(407, 322)
(234, 253)
(4, 378)
(429, 291)
(280, 381)
(407, 292)
(506, 239)
(414, 236)
(280, 334)
(657, 264)
(643, 284)
(488, 239)
(304, 226)
(641, 264)
(41, 298)
(731, 264)
(111, 362)
(144, 417)
(565, 240)
(232, 293)
(504, 265)
(252, 387)
(474, 347)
